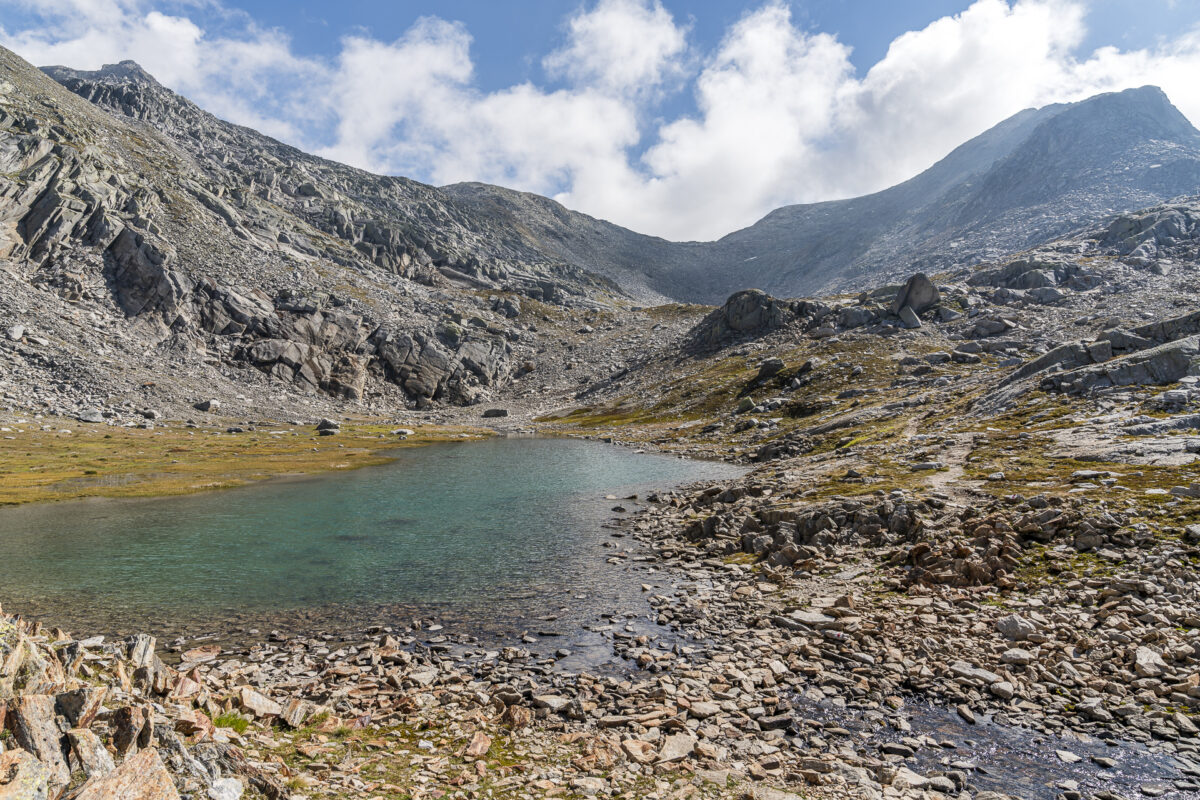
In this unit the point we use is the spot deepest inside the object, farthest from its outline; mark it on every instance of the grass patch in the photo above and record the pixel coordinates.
(234, 721)
(101, 461)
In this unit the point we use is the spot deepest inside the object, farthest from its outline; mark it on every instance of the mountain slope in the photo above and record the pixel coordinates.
(154, 256)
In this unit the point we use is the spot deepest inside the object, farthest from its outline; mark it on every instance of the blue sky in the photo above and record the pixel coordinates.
(511, 37)
(685, 119)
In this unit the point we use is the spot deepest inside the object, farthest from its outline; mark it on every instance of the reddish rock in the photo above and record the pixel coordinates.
(479, 745)
(141, 777)
(31, 720)
(133, 729)
(195, 724)
(88, 753)
(80, 706)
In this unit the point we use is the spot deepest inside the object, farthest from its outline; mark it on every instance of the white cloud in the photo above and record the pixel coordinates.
(621, 46)
(780, 114)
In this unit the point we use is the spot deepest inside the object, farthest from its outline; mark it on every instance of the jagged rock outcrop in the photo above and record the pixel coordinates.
(751, 313)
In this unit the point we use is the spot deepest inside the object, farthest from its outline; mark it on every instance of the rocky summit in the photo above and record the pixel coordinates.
(959, 559)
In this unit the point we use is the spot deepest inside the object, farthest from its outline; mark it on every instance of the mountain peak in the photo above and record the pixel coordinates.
(1143, 112)
(124, 72)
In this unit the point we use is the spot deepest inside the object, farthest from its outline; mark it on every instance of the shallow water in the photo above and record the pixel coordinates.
(487, 534)
(1000, 757)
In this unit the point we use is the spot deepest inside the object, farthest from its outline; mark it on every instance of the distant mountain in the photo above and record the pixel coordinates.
(1036, 176)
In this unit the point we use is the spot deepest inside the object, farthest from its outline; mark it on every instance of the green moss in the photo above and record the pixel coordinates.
(233, 721)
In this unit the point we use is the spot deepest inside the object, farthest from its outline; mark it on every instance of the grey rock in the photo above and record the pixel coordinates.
(918, 294)
(1015, 628)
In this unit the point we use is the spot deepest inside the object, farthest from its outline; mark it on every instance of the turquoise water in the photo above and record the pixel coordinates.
(505, 529)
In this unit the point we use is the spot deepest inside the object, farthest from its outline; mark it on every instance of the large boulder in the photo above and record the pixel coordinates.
(32, 721)
(141, 280)
(752, 312)
(1157, 366)
(918, 293)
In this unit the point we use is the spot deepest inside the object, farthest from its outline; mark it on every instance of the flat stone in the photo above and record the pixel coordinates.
(259, 704)
(962, 669)
(676, 748)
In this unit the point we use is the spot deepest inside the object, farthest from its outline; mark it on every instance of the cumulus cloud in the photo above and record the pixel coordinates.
(621, 46)
(780, 115)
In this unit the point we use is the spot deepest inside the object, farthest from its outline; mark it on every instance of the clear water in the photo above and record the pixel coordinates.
(500, 530)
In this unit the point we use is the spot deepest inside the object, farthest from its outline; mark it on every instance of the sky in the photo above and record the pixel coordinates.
(686, 119)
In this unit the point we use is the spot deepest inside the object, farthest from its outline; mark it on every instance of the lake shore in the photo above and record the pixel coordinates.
(820, 645)
(812, 680)
(53, 459)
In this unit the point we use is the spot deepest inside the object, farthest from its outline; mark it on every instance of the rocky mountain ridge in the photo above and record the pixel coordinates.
(1038, 175)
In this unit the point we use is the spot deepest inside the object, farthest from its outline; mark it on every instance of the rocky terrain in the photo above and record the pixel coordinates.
(962, 562)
